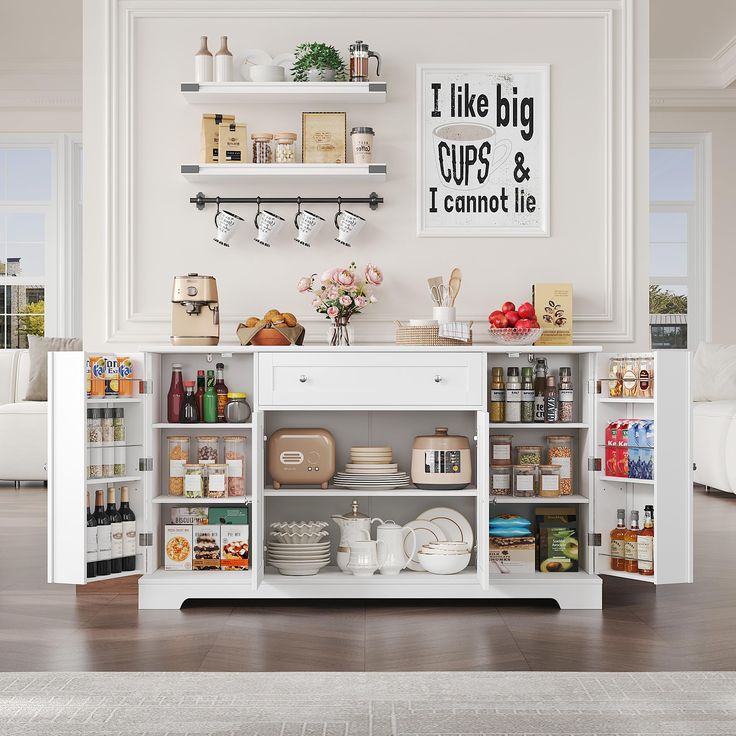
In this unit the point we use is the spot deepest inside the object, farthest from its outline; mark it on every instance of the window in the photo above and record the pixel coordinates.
(679, 252)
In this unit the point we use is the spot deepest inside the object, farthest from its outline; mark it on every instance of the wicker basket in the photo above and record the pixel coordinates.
(427, 335)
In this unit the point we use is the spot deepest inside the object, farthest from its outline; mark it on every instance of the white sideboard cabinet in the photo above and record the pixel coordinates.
(368, 395)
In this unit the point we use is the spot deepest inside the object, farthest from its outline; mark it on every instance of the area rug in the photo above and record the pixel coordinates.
(368, 704)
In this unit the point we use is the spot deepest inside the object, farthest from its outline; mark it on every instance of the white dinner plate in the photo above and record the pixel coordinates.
(455, 526)
(371, 450)
(426, 532)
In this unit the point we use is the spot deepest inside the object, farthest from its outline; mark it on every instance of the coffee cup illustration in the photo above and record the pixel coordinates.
(468, 153)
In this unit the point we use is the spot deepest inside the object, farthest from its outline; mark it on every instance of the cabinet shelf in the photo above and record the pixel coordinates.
(222, 172)
(629, 575)
(114, 479)
(203, 425)
(197, 576)
(343, 492)
(205, 501)
(574, 498)
(114, 576)
(564, 578)
(637, 481)
(538, 425)
(609, 400)
(334, 575)
(221, 93)
(99, 401)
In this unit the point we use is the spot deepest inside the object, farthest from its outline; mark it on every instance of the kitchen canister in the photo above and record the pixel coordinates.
(441, 461)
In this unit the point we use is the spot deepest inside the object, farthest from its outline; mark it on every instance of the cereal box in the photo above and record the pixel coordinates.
(234, 547)
(177, 547)
(206, 547)
(189, 515)
(228, 515)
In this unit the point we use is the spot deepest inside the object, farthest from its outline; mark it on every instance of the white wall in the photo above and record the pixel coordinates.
(140, 229)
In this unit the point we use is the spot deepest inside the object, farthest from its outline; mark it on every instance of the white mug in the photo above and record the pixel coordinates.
(364, 557)
(268, 225)
(348, 225)
(308, 224)
(226, 223)
(468, 153)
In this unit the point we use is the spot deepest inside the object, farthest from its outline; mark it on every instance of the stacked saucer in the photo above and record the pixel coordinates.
(371, 467)
(298, 547)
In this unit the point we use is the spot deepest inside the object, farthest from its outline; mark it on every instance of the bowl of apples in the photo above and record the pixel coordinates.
(512, 326)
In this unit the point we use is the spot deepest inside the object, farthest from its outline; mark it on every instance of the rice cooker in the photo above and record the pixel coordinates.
(441, 461)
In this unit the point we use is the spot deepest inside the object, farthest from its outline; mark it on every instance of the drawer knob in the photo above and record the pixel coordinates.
(302, 378)
(437, 379)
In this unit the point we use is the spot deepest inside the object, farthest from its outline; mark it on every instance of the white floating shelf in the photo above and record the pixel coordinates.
(114, 479)
(284, 92)
(343, 492)
(637, 481)
(187, 501)
(224, 172)
(203, 425)
(575, 498)
(538, 425)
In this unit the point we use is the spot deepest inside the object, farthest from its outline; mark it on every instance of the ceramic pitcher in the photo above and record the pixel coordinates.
(392, 536)
(364, 557)
(354, 526)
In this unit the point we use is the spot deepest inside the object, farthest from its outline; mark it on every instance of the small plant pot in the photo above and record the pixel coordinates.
(326, 75)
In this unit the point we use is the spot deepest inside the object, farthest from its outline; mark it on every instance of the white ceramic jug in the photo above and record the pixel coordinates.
(392, 536)
(354, 526)
(364, 558)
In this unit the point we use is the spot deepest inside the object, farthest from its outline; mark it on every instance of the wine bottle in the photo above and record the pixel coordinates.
(104, 538)
(116, 533)
(91, 542)
(128, 517)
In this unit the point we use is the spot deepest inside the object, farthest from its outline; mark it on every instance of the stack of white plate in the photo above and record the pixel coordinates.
(371, 467)
(298, 547)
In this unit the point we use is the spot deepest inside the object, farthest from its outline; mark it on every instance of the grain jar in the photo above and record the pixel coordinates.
(549, 481)
(560, 452)
(207, 449)
(235, 461)
(285, 152)
(194, 475)
(216, 480)
(501, 480)
(528, 455)
(501, 449)
(262, 153)
(525, 481)
(178, 456)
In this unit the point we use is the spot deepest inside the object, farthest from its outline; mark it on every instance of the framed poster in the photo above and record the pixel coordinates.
(483, 150)
(324, 137)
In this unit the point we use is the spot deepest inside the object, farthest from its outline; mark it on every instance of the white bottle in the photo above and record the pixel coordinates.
(513, 396)
(203, 63)
(223, 62)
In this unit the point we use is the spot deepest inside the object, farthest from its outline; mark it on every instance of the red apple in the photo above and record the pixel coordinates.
(523, 324)
(526, 311)
(500, 321)
(534, 323)
(508, 307)
(495, 313)
(512, 317)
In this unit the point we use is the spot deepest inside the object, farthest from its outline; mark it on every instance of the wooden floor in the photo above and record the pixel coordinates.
(679, 627)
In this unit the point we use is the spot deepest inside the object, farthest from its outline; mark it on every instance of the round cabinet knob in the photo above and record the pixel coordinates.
(437, 379)
(302, 378)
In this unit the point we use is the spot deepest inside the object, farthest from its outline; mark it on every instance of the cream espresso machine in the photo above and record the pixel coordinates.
(195, 311)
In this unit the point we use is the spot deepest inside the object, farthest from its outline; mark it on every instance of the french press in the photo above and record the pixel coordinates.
(359, 55)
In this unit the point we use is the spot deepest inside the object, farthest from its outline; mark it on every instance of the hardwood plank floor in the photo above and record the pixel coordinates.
(642, 627)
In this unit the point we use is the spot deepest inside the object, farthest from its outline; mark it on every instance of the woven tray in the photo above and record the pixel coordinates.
(428, 335)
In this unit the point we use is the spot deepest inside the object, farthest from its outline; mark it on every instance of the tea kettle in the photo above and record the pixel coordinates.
(353, 526)
(392, 538)
(359, 55)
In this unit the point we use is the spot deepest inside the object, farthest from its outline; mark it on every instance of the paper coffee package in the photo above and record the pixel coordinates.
(233, 143)
(553, 305)
(211, 122)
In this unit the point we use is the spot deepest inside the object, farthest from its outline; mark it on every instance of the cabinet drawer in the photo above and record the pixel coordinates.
(371, 380)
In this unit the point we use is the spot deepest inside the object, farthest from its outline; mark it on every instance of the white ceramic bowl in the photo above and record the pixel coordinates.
(443, 564)
(311, 527)
(449, 546)
(266, 73)
(299, 537)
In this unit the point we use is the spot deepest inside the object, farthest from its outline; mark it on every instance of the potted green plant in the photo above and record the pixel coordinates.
(318, 62)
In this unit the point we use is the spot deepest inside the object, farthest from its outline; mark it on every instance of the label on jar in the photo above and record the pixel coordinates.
(564, 463)
(235, 468)
(550, 483)
(441, 461)
(566, 395)
(497, 394)
(129, 539)
(193, 485)
(176, 468)
(525, 482)
(500, 481)
(527, 395)
(217, 485)
(501, 452)
(91, 544)
(206, 461)
(513, 394)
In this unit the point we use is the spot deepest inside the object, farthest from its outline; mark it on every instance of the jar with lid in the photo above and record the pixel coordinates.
(528, 454)
(501, 480)
(498, 395)
(119, 464)
(178, 457)
(525, 481)
(216, 480)
(118, 425)
(108, 461)
(513, 395)
(108, 434)
(565, 397)
(94, 469)
(237, 409)
(549, 481)
(194, 474)
(615, 378)
(560, 452)
(285, 152)
(262, 153)
(501, 449)
(207, 449)
(645, 388)
(94, 427)
(235, 461)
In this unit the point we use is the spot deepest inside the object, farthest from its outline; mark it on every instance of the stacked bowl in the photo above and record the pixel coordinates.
(298, 547)
(444, 558)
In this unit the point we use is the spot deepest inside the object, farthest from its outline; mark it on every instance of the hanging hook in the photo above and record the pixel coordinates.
(218, 210)
(298, 212)
(339, 212)
(258, 211)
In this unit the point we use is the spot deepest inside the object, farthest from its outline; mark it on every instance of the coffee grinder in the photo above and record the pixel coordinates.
(195, 311)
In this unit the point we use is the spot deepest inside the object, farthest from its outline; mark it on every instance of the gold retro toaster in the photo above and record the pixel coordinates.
(301, 457)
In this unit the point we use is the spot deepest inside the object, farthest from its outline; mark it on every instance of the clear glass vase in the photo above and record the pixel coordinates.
(340, 333)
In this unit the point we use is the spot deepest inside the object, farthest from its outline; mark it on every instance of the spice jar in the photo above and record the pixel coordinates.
(94, 469)
(235, 461)
(108, 434)
(285, 149)
(194, 475)
(565, 395)
(560, 452)
(615, 378)
(498, 395)
(525, 480)
(549, 481)
(178, 456)
(216, 480)
(501, 449)
(262, 153)
(501, 480)
(119, 465)
(207, 449)
(528, 454)
(108, 461)
(118, 426)
(237, 409)
(94, 427)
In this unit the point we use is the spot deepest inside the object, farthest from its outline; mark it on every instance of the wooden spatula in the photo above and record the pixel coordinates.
(456, 279)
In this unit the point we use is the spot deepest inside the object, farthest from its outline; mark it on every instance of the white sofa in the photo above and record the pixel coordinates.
(23, 436)
(714, 416)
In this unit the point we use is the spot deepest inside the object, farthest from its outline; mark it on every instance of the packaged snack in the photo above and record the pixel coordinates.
(177, 547)
(557, 546)
(233, 143)
(511, 554)
(211, 135)
(206, 547)
(234, 547)
(189, 515)
(228, 515)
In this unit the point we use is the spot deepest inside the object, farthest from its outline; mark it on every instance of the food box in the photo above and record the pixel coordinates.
(206, 540)
(234, 547)
(558, 546)
(228, 515)
(177, 547)
(611, 459)
(233, 143)
(511, 554)
(211, 135)
(553, 305)
(189, 515)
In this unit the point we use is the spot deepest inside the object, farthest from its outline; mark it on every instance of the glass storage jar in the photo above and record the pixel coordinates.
(216, 480)
(108, 461)
(119, 467)
(194, 474)
(525, 481)
(615, 378)
(94, 427)
(118, 426)
(235, 461)
(285, 152)
(528, 454)
(237, 409)
(501, 449)
(501, 480)
(208, 450)
(94, 469)
(549, 481)
(108, 434)
(560, 452)
(262, 153)
(178, 457)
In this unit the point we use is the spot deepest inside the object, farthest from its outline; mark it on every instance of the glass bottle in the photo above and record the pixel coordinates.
(104, 536)
(209, 401)
(615, 378)
(223, 62)
(200, 394)
(221, 390)
(513, 395)
(646, 368)
(189, 410)
(540, 383)
(631, 539)
(238, 409)
(645, 543)
(630, 376)
(129, 538)
(91, 542)
(116, 533)
(118, 426)
(565, 396)
(617, 541)
(527, 395)
(498, 396)
(550, 400)
(175, 395)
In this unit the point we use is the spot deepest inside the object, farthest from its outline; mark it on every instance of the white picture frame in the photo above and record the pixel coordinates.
(532, 83)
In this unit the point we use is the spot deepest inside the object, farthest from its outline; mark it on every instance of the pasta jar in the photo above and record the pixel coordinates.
(501, 480)
(194, 475)
(549, 481)
(178, 456)
(94, 427)
(216, 480)
(525, 480)
(560, 452)
(262, 153)
(207, 449)
(237, 409)
(528, 455)
(235, 461)
(501, 449)
(285, 149)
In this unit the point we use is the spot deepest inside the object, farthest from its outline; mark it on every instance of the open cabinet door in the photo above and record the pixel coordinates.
(258, 536)
(482, 482)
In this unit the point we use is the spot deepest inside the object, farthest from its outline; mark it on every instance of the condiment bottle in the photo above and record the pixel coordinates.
(565, 405)
(527, 395)
(540, 384)
(200, 394)
(209, 401)
(189, 410)
(175, 395)
(630, 376)
(221, 391)
(550, 399)
(498, 396)
(513, 395)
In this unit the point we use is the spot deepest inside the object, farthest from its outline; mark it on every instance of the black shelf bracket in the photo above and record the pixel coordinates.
(373, 200)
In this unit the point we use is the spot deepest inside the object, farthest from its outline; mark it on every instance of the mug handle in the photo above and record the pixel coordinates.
(255, 219)
(217, 214)
(413, 549)
(504, 144)
(296, 219)
(337, 216)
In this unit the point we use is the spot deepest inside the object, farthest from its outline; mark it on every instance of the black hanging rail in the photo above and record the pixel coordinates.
(373, 200)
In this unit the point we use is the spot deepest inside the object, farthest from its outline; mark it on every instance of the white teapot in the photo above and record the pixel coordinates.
(391, 535)
(354, 526)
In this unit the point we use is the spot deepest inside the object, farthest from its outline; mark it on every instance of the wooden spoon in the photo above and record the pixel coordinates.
(456, 279)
